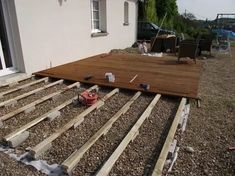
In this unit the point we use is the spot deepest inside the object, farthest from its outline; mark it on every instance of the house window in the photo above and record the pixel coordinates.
(98, 16)
(126, 13)
(95, 16)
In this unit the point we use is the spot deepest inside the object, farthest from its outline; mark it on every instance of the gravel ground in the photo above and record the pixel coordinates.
(209, 132)
(30, 99)
(2, 89)
(104, 147)
(125, 51)
(211, 128)
(44, 129)
(75, 138)
(140, 156)
(22, 118)
(22, 91)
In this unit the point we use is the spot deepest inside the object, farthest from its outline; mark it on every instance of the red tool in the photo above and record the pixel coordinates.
(88, 98)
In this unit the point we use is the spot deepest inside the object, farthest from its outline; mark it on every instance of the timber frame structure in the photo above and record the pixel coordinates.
(20, 135)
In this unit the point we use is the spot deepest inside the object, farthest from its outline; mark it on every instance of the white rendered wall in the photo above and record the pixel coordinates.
(54, 32)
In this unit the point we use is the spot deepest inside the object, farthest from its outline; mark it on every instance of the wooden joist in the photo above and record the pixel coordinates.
(170, 137)
(10, 136)
(37, 120)
(37, 102)
(14, 100)
(13, 81)
(43, 146)
(106, 168)
(72, 161)
(24, 86)
(95, 87)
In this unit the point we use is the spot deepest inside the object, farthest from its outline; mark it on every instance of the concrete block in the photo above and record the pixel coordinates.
(11, 103)
(30, 109)
(56, 97)
(78, 85)
(13, 84)
(47, 80)
(52, 116)
(42, 150)
(18, 140)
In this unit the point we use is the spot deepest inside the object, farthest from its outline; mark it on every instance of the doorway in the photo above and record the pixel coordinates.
(6, 63)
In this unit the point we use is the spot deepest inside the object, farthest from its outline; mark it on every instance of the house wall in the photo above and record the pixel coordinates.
(54, 32)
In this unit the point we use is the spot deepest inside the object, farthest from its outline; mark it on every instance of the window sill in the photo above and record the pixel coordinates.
(99, 34)
(126, 24)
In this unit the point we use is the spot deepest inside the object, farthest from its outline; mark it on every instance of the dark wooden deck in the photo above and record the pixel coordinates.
(164, 75)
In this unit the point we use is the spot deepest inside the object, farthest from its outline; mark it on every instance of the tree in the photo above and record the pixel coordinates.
(169, 8)
(189, 16)
(154, 10)
(166, 6)
(150, 11)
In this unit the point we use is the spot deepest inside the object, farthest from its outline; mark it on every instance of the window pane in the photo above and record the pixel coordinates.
(95, 5)
(96, 25)
(126, 12)
(96, 15)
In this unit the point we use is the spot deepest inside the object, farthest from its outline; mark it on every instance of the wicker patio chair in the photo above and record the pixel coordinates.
(205, 45)
(188, 49)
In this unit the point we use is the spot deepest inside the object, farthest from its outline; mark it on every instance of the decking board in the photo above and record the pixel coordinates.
(165, 75)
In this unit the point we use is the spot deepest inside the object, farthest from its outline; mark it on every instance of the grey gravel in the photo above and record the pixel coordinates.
(3, 89)
(44, 129)
(75, 138)
(211, 128)
(104, 147)
(140, 156)
(22, 91)
(210, 131)
(22, 118)
(30, 99)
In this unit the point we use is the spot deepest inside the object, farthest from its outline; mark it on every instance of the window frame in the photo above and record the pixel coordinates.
(126, 13)
(93, 29)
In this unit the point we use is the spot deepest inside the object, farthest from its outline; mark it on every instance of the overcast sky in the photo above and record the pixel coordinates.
(203, 9)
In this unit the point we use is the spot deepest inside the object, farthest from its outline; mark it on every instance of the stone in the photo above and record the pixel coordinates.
(206, 172)
(190, 149)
